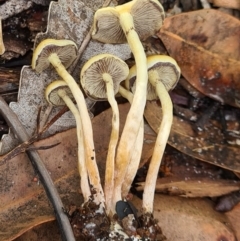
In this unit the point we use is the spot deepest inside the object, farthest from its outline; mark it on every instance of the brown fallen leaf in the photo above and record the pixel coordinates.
(44, 232)
(23, 203)
(206, 46)
(207, 146)
(234, 218)
(190, 219)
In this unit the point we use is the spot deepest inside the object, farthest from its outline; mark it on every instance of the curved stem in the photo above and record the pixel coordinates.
(135, 115)
(81, 155)
(110, 162)
(160, 144)
(86, 127)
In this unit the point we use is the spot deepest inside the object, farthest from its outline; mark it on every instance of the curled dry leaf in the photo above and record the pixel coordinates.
(68, 19)
(189, 219)
(206, 46)
(207, 146)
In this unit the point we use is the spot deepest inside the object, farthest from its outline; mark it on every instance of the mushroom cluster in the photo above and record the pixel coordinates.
(151, 78)
(130, 22)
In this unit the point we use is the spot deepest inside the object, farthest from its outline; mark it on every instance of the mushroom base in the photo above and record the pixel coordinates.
(88, 223)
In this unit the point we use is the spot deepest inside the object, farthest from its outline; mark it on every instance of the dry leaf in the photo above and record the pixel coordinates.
(206, 146)
(234, 218)
(44, 232)
(189, 219)
(68, 19)
(206, 45)
(197, 187)
(23, 201)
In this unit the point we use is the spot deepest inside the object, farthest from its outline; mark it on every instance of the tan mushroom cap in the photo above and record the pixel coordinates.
(65, 49)
(148, 18)
(92, 74)
(51, 92)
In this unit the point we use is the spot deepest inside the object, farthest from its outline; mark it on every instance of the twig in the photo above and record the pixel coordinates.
(25, 145)
(19, 130)
(23, 148)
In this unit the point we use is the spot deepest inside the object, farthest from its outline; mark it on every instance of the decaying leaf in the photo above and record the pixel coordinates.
(197, 187)
(207, 146)
(234, 217)
(23, 201)
(69, 19)
(189, 219)
(206, 45)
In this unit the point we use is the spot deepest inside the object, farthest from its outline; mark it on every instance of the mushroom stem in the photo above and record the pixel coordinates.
(110, 162)
(2, 47)
(161, 141)
(134, 117)
(86, 127)
(136, 153)
(81, 156)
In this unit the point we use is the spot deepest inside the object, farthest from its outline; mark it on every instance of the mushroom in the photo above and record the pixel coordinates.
(2, 47)
(135, 20)
(60, 54)
(100, 78)
(57, 94)
(163, 74)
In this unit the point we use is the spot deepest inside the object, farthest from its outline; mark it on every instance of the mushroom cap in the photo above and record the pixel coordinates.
(51, 92)
(92, 75)
(166, 66)
(148, 16)
(65, 49)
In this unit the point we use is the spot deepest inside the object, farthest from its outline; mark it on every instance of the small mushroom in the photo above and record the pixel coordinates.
(100, 78)
(2, 47)
(60, 54)
(135, 20)
(163, 74)
(57, 94)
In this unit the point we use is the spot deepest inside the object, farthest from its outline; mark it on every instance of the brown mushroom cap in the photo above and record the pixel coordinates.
(51, 92)
(93, 71)
(148, 16)
(66, 50)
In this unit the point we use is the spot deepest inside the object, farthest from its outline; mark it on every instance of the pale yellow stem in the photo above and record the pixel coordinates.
(2, 47)
(134, 117)
(136, 153)
(81, 155)
(160, 144)
(86, 127)
(110, 162)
